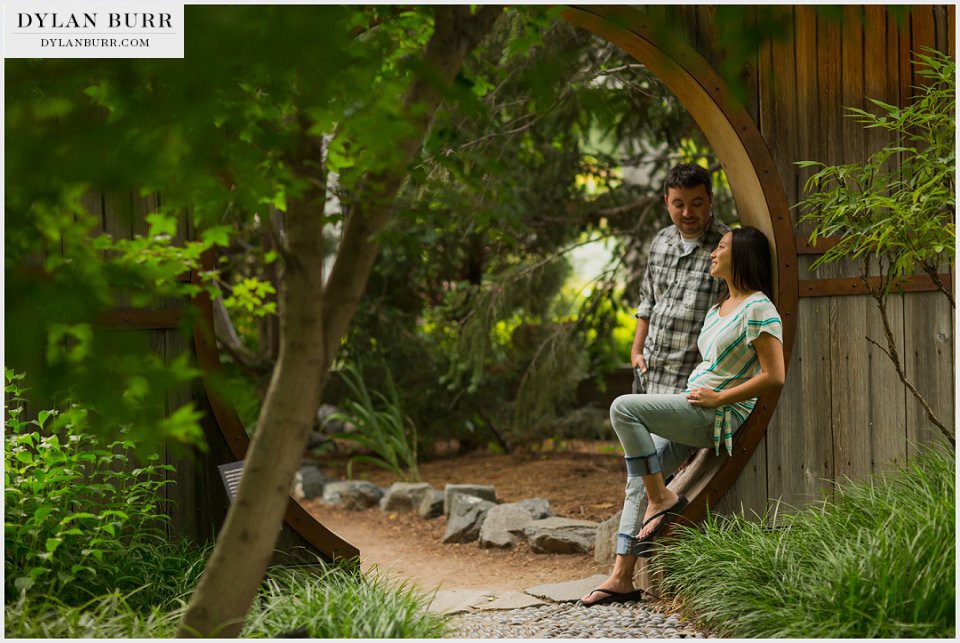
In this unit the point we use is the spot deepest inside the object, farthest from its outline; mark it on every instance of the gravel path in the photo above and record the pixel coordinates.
(568, 620)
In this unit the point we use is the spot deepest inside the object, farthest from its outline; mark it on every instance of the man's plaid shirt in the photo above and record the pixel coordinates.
(675, 294)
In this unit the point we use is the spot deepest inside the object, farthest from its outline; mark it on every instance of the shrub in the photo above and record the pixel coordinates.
(79, 519)
(877, 562)
(381, 426)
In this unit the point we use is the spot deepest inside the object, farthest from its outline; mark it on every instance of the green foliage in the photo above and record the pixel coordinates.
(339, 604)
(109, 616)
(878, 562)
(78, 516)
(902, 211)
(380, 425)
(249, 295)
(470, 281)
(199, 143)
(329, 602)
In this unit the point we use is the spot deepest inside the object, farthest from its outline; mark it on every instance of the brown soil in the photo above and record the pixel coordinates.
(584, 482)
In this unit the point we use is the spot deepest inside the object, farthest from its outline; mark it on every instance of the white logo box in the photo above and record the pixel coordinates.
(95, 29)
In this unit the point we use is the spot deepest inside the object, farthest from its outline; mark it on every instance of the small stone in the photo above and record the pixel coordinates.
(431, 506)
(405, 496)
(539, 508)
(560, 535)
(466, 515)
(486, 492)
(352, 494)
(309, 482)
(503, 526)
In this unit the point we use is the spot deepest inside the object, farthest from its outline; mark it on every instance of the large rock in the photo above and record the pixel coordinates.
(539, 508)
(405, 496)
(466, 515)
(566, 592)
(605, 544)
(486, 492)
(503, 526)
(352, 494)
(431, 506)
(309, 482)
(561, 535)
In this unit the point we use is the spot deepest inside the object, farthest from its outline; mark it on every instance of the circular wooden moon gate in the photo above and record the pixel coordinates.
(759, 195)
(761, 202)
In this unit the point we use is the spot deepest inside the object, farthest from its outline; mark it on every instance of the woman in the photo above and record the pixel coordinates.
(741, 344)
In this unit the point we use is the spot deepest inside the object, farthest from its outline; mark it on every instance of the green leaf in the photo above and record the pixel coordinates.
(52, 544)
(217, 235)
(161, 224)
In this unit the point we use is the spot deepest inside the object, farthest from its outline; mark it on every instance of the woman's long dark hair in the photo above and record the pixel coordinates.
(750, 259)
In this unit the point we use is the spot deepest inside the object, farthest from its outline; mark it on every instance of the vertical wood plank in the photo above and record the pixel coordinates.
(748, 495)
(118, 223)
(707, 34)
(830, 147)
(928, 361)
(800, 441)
(749, 75)
(923, 31)
(779, 119)
(952, 31)
(940, 20)
(888, 403)
(778, 101)
(800, 446)
(887, 408)
(906, 55)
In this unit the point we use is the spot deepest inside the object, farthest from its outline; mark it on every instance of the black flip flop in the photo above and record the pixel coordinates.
(668, 516)
(615, 597)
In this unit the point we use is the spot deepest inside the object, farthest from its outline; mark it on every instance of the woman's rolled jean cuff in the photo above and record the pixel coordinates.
(627, 545)
(643, 465)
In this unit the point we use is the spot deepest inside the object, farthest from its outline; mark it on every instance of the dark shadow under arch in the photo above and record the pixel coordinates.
(761, 202)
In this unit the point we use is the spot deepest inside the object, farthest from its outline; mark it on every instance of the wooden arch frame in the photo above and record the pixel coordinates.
(759, 195)
(761, 202)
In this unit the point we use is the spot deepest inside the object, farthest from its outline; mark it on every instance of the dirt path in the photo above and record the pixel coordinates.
(583, 485)
(408, 548)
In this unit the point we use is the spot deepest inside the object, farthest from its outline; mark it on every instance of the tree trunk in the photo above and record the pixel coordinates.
(314, 319)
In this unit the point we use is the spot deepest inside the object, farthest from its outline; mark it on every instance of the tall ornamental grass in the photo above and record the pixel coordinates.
(338, 604)
(877, 562)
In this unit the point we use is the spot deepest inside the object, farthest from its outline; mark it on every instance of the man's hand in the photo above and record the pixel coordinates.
(704, 397)
(636, 350)
(639, 362)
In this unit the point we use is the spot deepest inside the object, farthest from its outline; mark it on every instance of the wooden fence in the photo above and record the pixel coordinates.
(843, 413)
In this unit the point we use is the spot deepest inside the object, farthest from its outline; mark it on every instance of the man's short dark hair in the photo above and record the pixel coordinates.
(688, 175)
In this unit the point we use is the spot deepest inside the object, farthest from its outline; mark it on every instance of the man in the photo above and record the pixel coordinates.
(677, 290)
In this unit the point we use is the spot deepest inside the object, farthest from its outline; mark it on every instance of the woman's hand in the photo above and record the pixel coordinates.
(704, 397)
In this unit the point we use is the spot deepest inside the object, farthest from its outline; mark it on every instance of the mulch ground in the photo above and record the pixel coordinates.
(585, 480)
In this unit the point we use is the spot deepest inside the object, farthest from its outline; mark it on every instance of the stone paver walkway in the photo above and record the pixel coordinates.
(551, 611)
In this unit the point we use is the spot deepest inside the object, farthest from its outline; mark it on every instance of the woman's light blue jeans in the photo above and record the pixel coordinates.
(657, 432)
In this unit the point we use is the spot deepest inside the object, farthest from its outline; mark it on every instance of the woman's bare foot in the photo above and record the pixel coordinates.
(668, 500)
(613, 583)
(620, 580)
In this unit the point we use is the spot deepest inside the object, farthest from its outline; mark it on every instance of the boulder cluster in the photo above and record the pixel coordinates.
(472, 513)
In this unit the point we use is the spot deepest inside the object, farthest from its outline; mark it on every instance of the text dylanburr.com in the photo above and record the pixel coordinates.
(96, 29)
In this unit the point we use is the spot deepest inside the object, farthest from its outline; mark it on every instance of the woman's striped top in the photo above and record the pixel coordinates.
(729, 359)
